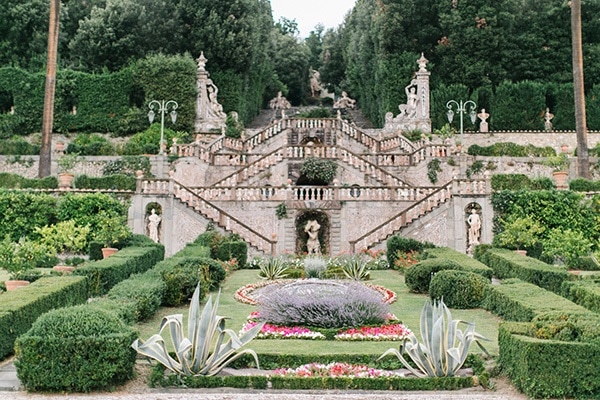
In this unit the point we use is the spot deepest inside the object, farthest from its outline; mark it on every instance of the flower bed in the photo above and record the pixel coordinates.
(248, 294)
(387, 332)
(335, 370)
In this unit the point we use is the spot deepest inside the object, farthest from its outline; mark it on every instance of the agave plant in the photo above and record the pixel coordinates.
(314, 267)
(273, 268)
(356, 268)
(205, 351)
(444, 348)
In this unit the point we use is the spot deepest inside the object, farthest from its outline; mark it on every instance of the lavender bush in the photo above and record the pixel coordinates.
(324, 304)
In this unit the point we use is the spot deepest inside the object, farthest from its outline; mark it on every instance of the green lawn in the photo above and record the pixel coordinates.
(407, 308)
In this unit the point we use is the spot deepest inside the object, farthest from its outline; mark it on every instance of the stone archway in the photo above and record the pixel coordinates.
(302, 235)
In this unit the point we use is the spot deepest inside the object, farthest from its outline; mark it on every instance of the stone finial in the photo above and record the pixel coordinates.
(201, 62)
(422, 63)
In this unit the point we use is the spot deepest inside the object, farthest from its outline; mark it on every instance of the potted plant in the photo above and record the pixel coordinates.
(21, 258)
(560, 166)
(519, 233)
(112, 230)
(66, 163)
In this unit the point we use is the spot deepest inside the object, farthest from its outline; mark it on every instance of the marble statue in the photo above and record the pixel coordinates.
(315, 83)
(344, 102)
(153, 223)
(474, 222)
(548, 120)
(312, 244)
(414, 114)
(209, 112)
(279, 102)
(483, 125)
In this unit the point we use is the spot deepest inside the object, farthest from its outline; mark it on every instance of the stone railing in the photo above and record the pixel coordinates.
(253, 169)
(423, 206)
(322, 193)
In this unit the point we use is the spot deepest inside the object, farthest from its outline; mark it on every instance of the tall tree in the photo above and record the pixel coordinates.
(580, 119)
(48, 117)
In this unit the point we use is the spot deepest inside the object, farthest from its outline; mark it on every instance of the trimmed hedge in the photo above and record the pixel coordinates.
(467, 263)
(548, 368)
(14, 181)
(143, 290)
(520, 182)
(110, 182)
(418, 277)
(515, 300)
(586, 293)
(106, 273)
(508, 264)
(458, 289)
(19, 309)
(75, 349)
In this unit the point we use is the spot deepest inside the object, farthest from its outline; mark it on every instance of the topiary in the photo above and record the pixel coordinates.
(458, 289)
(397, 244)
(75, 349)
(418, 276)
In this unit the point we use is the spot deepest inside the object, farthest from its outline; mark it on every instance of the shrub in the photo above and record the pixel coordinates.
(520, 182)
(110, 182)
(75, 349)
(418, 277)
(144, 290)
(458, 289)
(22, 256)
(314, 267)
(317, 171)
(14, 181)
(89, 144)
(64, 236)
(397, 244)
(332, 305)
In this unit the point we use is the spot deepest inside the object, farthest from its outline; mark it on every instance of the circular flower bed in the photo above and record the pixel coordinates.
(250, 293)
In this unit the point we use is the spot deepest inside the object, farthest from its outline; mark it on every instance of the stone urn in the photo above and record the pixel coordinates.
(15, 284)
(65, 180)
(560, 179)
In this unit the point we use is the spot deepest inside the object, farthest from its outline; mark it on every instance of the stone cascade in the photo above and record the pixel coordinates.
(422, 207)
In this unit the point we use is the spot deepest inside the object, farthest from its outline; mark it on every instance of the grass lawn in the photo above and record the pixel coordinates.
(407, 308)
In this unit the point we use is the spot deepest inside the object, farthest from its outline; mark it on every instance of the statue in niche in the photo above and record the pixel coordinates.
(548, 120)
(483, 116)
(279, 103)
(344, 102)
(474, 222)
(153, 223)
(312, 244)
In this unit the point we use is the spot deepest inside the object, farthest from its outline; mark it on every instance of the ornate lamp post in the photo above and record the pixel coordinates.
(461, 108)
(163, 106)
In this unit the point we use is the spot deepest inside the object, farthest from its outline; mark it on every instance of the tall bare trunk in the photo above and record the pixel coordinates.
(48, 117)
(583, 161)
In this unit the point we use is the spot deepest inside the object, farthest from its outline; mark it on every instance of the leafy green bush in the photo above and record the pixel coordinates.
(147, 142)
(510, 149)
(181, 276)
(520, 182)
(64, 236)
(27, 211)
(317, 171)
(458, 289)
(14, 181)
(18, 146)
(127, 165)
(584, 185)
(18, 258)
(142, 289)
(91, 144)
(418, 276)
(110, 182)
(397, 244)
(75, 349)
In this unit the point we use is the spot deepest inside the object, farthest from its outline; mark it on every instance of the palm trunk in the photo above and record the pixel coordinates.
(583, 161)
(48, 116)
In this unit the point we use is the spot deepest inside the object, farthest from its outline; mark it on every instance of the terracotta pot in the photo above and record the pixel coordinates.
(521, 252)
(15, 284)
(560, 179)
(65, 180)
(65, 269)
(108, 251)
